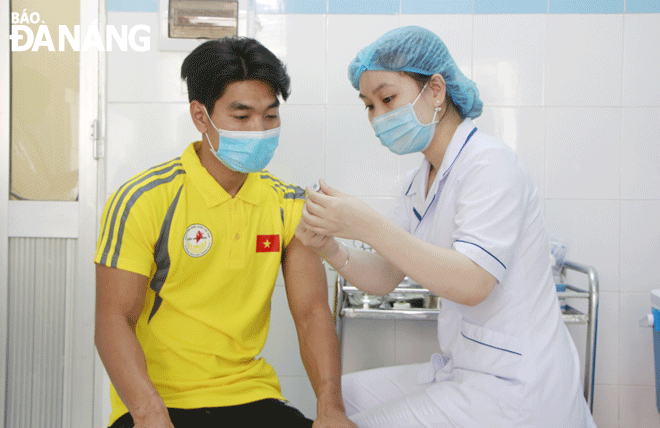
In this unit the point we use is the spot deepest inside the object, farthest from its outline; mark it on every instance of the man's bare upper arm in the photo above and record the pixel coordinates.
(119, 292)
(305, 279)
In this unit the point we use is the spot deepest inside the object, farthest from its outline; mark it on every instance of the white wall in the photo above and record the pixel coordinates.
(576, 96)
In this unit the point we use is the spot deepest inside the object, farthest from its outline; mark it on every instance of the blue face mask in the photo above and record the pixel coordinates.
(245, 151)
(401, 131)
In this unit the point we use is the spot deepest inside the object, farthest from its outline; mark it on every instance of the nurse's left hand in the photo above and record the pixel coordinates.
(333, 213)
(335, 419)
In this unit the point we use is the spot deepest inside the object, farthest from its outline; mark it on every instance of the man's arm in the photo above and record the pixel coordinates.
(307, 292)
(119, 299)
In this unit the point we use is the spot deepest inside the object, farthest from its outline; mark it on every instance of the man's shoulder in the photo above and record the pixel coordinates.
(282, 189)
(160, 176)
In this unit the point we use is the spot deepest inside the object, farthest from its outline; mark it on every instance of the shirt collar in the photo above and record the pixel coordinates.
(212, 192)
(456, 144)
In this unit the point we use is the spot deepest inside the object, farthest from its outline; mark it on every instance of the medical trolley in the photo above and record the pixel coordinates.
(410, 301)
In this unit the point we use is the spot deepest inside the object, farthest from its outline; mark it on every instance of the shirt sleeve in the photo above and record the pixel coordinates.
(491, 206)
(294, 199)
(127, 234)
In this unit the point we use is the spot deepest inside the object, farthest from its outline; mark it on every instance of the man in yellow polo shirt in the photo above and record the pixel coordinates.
(187, 259)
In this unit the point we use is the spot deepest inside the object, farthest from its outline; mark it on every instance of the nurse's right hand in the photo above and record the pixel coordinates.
(333, 213)
(323, 245)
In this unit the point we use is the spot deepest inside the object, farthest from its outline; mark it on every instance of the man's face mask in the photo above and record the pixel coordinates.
(245, 151)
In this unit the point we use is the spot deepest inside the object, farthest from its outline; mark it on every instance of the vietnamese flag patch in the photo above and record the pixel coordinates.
(268, 243)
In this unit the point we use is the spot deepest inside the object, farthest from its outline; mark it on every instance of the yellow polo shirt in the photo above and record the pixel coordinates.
(212, 261)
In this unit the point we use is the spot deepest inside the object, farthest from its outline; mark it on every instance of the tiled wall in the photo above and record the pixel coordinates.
(572, 86)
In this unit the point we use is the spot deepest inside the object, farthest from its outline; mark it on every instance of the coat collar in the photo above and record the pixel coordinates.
(456, 144)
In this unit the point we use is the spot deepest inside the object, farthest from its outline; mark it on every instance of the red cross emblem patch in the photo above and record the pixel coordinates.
(268, 243)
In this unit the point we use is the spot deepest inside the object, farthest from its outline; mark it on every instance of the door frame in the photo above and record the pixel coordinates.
(81, 392)
(5, 103)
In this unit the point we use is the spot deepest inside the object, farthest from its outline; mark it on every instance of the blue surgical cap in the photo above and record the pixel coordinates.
(418, 50)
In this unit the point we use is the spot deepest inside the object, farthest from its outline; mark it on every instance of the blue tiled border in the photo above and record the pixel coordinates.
(599, 6)
(436, 7)
(510, 6)
(385, 7)
(422, 7)
(132, 5)
(642, 6)
(292, 6)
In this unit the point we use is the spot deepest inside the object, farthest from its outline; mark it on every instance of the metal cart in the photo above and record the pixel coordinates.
(347, 304)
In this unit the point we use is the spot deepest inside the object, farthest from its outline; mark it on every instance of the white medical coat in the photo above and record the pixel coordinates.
(484, 204)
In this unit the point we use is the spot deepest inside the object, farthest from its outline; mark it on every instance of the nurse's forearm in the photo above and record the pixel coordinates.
(368, 271)
(445, 272)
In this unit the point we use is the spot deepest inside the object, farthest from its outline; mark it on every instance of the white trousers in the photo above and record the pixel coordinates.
(392, 397)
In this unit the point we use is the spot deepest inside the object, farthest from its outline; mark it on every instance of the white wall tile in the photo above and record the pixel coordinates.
(355, 161)
(640, 252)
(299, 157)
(140, 136)
(299, 41)
(300, 394)
(640, 154)
(456, 33)
(583, 152)
(522, 129)
(641, 60)
(584, 60)
(636, 363)
(347, 34)
(606, 406)
(637, 407)
(590, 231)
(510, 68)
(150, 76)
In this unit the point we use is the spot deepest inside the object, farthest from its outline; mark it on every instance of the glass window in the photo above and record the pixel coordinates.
(44, 102)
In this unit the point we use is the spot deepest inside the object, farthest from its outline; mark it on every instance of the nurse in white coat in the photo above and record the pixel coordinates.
(468, 227)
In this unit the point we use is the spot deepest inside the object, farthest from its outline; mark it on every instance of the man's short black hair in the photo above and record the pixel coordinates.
(215, 64)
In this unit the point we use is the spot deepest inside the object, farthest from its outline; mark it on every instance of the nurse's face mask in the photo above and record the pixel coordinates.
(401, 131)
(244, 151)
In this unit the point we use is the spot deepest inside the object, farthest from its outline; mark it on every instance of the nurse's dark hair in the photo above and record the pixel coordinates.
(215, 64)
(421, 79)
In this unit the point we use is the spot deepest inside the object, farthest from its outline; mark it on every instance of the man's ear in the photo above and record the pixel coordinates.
(199, 117)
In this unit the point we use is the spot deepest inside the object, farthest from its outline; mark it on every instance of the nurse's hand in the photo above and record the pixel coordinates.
(333, 213)
(323, 245)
